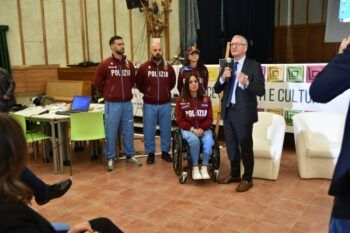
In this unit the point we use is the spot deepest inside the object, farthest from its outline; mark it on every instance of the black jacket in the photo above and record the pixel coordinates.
(246, 103)
(332, 81)
(17, 218)
(7, 86)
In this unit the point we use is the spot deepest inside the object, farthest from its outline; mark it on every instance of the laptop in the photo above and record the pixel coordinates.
(79, 104)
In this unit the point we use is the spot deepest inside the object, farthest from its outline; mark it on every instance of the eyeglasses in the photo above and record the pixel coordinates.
(237, 44)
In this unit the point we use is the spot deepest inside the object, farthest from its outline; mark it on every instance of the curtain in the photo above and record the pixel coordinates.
(4, 52)
(255, 21)
(189, 24)
(209, 40)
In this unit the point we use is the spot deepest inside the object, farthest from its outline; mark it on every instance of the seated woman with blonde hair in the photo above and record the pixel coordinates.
(194, 117)
(16, 214)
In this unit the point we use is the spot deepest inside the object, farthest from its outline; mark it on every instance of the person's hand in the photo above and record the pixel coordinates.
(5, 97)
(83, 227)
(198, 132)
(226, 74)
(344, 43)
(242, 78)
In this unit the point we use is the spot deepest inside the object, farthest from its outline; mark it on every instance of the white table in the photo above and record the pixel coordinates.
(32, 113)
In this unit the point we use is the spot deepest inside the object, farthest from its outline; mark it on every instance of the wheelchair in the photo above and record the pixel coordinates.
(182, 162)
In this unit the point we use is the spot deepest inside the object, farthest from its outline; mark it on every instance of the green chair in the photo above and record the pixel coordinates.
(86, 126)
(31, 137)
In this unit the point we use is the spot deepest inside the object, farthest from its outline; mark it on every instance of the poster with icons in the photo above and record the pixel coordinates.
(287, 91)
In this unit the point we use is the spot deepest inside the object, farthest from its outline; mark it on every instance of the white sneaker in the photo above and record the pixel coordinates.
(196, 175)
(110, 165)
(204, 172)
(132, 160)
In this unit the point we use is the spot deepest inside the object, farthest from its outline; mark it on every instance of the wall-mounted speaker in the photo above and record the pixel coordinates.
(133, 4)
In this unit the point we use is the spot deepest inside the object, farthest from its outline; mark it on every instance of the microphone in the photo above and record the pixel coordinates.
(228, 61)
(41, 113)
(228, 65)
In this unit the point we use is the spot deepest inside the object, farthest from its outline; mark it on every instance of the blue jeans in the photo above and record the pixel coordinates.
(153, 114)
(60, 227)
(119, 114)
(339, 225)
(3, 106)
(195, 142)
(38, 187)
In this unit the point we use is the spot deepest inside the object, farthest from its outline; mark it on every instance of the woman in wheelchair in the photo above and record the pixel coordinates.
(194, 117)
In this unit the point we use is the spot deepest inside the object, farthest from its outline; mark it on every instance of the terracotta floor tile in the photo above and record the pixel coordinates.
(323, 200)
(312, 185)
(145, 196)
(120, 219)
(261, 198)
(150, 198)
(136, 209)
(267, 227)
(311, 224)
(299, 194)
(279, 217)
(198, 196)
(181, 206)
(139, 225)
(207, 213)
(235, 222)
(319, 211)
(187, 224)
(289, 206)
(248, 209)
(70, 219)
(221, 202)
(161, 217)
(217, 229)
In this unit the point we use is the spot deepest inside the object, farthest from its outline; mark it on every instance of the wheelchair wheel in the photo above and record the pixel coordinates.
(183, 178)
(177, 153)
(215, 159)
(215, 175)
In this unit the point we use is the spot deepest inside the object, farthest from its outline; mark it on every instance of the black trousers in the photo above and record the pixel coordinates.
(239, 144)
(39, 188)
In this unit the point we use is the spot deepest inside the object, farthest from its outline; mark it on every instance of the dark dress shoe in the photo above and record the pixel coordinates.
(230, 179)
(94, 158)
(41, 202)
(150, 158)
(244, 186)
(60, 188)
(166, 157)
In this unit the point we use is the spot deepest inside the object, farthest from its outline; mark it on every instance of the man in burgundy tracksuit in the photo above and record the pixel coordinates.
(155, 79)
(115, 77)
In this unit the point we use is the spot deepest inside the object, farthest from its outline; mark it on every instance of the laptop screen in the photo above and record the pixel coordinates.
(81, 103)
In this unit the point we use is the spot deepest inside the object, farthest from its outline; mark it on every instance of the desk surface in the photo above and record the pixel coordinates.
(34, 112)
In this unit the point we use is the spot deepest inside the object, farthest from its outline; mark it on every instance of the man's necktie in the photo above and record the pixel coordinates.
(232, 84)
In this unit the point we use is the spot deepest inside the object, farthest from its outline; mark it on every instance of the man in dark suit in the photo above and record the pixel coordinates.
(332, 81)
(7, 88)
(241, 80)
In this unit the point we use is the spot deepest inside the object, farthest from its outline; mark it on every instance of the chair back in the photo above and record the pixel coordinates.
(329, 125)
(20, 120)
(261, 128)
(87, 126)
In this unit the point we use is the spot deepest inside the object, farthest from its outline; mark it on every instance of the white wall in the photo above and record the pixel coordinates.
(302, 13)
(53, 9)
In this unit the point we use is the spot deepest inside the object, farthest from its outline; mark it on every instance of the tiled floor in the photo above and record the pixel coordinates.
(150, 199)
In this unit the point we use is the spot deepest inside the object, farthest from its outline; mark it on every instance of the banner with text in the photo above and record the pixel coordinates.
(287, 91)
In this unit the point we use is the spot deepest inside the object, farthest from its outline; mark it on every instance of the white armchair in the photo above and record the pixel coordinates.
(318, 137)
(268, 137)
